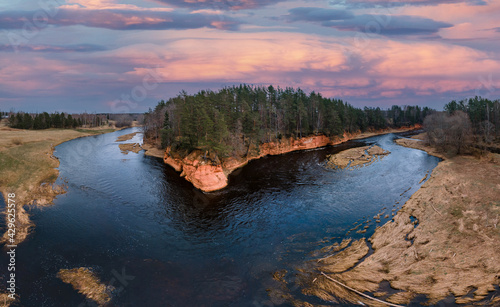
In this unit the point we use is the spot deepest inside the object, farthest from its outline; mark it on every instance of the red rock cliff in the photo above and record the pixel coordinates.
(209, 177)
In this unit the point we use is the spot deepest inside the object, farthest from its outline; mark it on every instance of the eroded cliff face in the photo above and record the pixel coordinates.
(210, 176)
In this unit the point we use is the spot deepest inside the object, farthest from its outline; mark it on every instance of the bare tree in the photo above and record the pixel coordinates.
(123, 120)
(449, 132)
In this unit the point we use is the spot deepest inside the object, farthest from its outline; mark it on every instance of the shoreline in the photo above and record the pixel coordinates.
(209, 178)
(451, 249)
(29, 156)
(35, 187)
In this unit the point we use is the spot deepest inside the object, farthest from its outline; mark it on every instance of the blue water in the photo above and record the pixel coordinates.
(160, 242)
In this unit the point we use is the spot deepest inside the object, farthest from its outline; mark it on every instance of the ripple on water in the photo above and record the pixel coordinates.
(192, 248)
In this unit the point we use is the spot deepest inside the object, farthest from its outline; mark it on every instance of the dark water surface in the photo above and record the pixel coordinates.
(160, 242)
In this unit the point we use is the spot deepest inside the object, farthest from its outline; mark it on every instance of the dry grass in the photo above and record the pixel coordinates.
(134, 147)
(5, 300)
(126, 137)
(453, 251)
(87, 283)
(25, 167)
(354, 157)
(345, 259)
(151, 150)
(17, 141)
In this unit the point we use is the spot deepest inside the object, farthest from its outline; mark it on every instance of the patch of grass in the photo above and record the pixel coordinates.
(25, 167)
(86, 282)
(456, 212)
(49, 178)
(26, 163)
(17, 141)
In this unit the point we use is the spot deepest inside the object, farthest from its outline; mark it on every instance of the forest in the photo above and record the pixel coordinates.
(465, 124)
(484, 115)
(45, 120)
(229, 120)
(38, 121)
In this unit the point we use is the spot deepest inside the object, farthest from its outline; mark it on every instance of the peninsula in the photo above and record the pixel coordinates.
(208, 135)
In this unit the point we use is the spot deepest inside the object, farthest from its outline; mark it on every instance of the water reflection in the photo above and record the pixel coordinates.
(188, 248)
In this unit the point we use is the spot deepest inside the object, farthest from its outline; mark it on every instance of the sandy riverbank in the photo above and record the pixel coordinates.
(208, 175)
(451, 251)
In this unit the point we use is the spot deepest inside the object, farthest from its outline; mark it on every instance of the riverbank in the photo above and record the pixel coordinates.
(209, 175)
(29, 168)
(442, 244)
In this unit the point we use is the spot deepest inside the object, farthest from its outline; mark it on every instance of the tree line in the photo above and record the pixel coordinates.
(229, 120)
(37, 121)
(484, 115)
(45, 120)
(473, 122)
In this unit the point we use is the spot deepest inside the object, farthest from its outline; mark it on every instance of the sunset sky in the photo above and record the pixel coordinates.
(125, 55)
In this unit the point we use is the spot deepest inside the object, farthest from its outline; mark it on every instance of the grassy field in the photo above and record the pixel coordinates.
(27, 168)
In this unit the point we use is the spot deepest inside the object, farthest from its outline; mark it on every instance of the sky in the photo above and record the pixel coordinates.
(126, 55)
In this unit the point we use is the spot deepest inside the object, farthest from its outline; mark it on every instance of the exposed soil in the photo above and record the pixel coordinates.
(452, 251)
(86, 282)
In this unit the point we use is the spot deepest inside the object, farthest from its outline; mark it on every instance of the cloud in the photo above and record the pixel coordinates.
(317, 14)
(122, 20)
(225, 5)
(389, 25)
(107, 5)
(53, 49)
(384, 72)
(393, 3)
(373, 24)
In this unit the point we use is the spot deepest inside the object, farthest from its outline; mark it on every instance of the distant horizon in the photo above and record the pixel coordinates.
(111, 56)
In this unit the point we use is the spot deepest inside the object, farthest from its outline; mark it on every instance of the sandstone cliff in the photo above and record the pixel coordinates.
(209, 176)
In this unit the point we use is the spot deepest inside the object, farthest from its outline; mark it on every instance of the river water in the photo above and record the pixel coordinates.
(160, 242)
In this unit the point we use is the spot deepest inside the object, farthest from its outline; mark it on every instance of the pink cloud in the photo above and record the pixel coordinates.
(470, 21)
(389, 68)
(108, 5)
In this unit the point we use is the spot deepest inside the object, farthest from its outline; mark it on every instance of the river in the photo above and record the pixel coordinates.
(160, 242)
